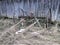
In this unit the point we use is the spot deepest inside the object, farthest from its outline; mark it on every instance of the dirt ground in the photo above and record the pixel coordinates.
(33, 36)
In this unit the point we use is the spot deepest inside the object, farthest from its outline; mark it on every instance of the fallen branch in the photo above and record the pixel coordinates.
(26, 29)
(11, 28)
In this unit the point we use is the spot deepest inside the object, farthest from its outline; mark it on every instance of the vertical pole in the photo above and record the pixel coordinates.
(32, 13)
(18, 9)
(14, 12)
(47, 16)
(44, 4)
(6, 7)
(50, 15)
(30, 4)
(50, 11)
(23, 6)
(0, 8)
(37, 8)
(28, 7)
(46, 22)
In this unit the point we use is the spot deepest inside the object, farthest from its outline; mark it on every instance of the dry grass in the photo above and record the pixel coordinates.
(32, 36)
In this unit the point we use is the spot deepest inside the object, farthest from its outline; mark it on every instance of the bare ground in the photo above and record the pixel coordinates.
(33, 36)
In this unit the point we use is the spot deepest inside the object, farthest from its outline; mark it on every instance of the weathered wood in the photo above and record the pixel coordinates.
(26, 29)
(12, 27)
